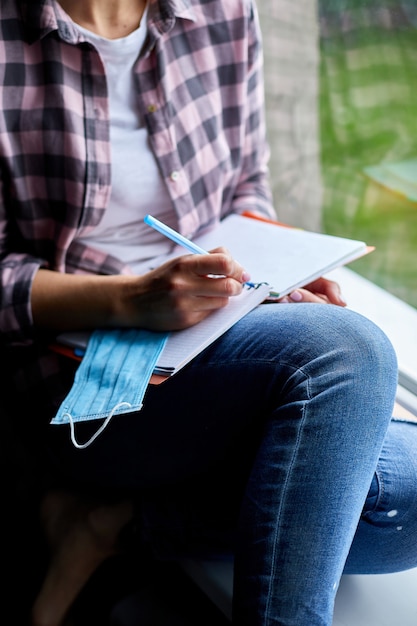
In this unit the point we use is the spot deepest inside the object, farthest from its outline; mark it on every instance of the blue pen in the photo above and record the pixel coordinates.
(173, 235)
(179, 239)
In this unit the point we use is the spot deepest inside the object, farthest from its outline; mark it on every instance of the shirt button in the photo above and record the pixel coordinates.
(151, 108)
(174, 176)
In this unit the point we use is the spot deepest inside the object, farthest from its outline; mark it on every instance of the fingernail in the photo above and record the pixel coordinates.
(245, 277)
(296, 296)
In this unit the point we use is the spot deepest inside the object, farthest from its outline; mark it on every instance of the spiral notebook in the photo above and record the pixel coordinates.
(183, 345)
(278, 258)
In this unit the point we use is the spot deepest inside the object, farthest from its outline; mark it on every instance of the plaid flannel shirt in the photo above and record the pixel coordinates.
(200, 90)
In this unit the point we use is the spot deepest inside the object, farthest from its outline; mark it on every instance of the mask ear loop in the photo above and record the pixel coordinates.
(81, 446)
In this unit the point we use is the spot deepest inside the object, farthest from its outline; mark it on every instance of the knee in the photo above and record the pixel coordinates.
(363, 344)
(349, 350)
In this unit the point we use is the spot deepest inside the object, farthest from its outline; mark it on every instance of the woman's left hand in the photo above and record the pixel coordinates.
(322, 290)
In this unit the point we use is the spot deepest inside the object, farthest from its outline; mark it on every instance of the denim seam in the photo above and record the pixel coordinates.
(290, 466)
(380, 496)
(381, 488)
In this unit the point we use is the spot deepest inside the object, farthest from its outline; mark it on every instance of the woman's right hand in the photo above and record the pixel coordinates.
(178, 294)
(183, 291)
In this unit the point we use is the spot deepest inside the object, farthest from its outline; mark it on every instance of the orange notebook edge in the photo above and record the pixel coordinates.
(155, 379)
(268, 220)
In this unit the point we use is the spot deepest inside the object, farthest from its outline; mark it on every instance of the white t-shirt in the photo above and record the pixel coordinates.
(137, 186)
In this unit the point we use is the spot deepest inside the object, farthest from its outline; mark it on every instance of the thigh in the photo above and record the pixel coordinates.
(187, 425)
(386, 539)
(216, 407)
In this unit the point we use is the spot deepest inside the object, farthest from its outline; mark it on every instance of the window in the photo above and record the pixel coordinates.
(368, 134)
(341, 97)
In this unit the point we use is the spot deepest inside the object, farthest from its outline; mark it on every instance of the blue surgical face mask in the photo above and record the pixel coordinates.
(112, 377)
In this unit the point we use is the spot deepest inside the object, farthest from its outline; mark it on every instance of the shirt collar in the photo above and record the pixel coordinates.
(41, 17)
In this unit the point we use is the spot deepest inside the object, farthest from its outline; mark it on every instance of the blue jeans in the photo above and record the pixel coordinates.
(270, 440)
(386, 538)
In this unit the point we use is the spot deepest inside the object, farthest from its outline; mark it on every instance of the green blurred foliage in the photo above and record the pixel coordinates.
(368, 115)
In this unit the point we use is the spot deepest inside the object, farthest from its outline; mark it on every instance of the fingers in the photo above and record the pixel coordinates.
(302, 295)
(299, 295)
(328, 289)
(185, 290)
(214, 275)
(220, 263)
(322, 291)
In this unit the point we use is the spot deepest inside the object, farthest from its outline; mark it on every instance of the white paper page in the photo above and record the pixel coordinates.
(183, 345)
(286, 258)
